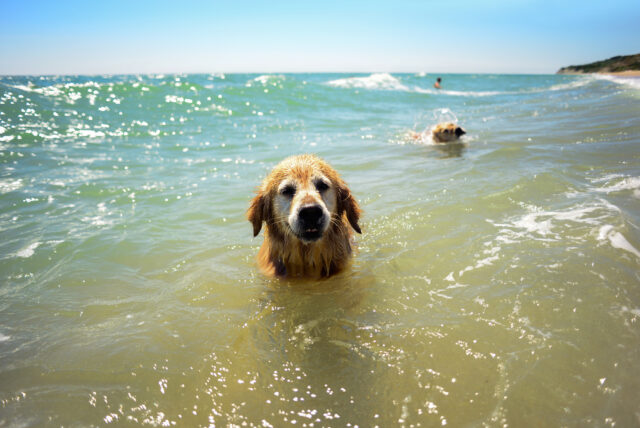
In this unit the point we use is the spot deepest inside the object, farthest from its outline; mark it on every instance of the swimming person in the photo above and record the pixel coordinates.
(437, 84)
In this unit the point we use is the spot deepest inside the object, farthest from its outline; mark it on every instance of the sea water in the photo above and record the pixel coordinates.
(496, 281)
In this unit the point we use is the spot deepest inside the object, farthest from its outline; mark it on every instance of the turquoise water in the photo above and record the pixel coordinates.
(496, 281)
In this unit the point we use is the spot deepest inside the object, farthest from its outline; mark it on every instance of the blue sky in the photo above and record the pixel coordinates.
(458, 36)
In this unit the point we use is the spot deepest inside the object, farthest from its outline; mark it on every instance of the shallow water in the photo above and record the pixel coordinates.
(496, 281)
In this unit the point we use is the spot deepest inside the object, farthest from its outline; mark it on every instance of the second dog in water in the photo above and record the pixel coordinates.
(447, 132)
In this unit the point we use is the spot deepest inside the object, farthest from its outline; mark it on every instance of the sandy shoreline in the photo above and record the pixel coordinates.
(628, 73)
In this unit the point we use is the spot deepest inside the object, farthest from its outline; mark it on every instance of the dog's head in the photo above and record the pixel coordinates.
(302, 197)
(446, 132)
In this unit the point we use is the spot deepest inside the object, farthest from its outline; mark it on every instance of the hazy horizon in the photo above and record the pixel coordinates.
(408, 36)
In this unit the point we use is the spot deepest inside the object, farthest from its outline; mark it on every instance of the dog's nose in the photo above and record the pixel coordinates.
(460, 131)
(310, 215)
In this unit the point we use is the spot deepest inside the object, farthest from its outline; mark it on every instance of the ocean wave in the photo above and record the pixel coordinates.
(56, 89)
(375, 81)
(583, 81)
(91, 90)
(580, 82)
(629, 81)
(458, 93)
(266, 79)
(627, 183)
(385, 81)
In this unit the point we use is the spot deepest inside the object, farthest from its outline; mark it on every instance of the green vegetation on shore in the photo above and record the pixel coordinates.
(611, 65)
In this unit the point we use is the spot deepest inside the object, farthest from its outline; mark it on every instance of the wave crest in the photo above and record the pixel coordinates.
(375, 81)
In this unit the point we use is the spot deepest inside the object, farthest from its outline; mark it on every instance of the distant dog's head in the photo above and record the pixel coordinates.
(446, 132)
(302, 198)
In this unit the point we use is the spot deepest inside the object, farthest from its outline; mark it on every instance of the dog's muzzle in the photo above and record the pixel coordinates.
(311, 222)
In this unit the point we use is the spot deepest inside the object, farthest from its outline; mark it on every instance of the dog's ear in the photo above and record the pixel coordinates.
(258, 211)
(348, 204)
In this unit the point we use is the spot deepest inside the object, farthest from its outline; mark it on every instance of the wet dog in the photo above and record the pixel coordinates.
(446, 132)
(308, 212)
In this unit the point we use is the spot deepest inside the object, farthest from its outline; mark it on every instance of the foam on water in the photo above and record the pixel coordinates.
(545, 225)
(472, 94)
(616, 239)
(266, 79)
(376, 81)
(630, 81)
(627, 183)
(386, 81)
(578, 83)
(28, 251)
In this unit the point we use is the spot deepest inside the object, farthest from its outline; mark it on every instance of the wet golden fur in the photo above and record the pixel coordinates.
(446, 132)
(283, 251)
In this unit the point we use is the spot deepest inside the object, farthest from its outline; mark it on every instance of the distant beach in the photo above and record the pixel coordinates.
(627, 73)
(622, 65)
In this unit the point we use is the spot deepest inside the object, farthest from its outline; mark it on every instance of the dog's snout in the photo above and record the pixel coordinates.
(460, 131)
(310, 215)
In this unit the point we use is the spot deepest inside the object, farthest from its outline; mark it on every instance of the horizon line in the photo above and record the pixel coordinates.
(269, 72)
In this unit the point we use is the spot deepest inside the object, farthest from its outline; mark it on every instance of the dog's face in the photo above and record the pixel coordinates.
(301, 198)
(447, 132)
(305, 201)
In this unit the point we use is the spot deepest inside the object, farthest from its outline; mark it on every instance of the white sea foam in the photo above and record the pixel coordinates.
(389, 82)
(386, 81)
(375, 81)
(616, 239)
(629, 81)
(607, 178)
(493, 255)
(266, 79)
(543, 225)
(4, 338)
(580, 82)
(28, 251)
(628, 183)
(456, 93)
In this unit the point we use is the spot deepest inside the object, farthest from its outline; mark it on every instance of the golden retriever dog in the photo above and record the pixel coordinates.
(308, 213)
(446, 132)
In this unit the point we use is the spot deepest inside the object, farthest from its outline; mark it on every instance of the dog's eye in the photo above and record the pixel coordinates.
(288, 191)
(321, 186)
